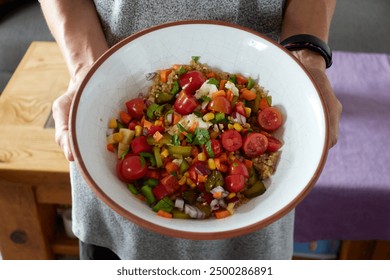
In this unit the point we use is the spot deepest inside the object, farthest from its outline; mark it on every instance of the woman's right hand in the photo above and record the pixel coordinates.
(61, 112)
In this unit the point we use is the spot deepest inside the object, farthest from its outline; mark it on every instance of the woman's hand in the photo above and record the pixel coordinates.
(61, 112)
(315, 65)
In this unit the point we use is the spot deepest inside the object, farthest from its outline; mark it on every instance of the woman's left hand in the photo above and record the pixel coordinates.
(315, 65)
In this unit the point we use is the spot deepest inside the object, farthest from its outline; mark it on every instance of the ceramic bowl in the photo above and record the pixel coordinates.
(120, 74)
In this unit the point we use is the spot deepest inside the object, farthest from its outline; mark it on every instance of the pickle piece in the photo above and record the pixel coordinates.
(257, 189)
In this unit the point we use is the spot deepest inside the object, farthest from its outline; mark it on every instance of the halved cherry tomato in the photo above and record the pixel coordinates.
(132, 168)
(238, 168)
(240, 108)
(136, 107)
(140, 144)
(231, 140)
(255, 144)
(220, 104)
(216, 147)
(185, 103)
(274, 144)
(270, 118)
(235, 183)
(192, 81)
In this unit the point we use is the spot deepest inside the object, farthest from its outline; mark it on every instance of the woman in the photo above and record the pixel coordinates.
(84, 29)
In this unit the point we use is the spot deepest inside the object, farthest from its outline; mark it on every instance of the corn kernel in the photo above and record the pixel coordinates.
(112, 123)
(182, 180)
(117, 137)
(230, 126)
(208, 117)
(186, 174)
(202, 157)
(190, 183)
(237, 127)
(248, 112)
(164, 153)
(211, 164)
(230, 208)
(231, 195)
(138, 130)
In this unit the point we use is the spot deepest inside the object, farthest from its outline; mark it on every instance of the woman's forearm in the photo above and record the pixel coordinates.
(76, 28)
(308, 17)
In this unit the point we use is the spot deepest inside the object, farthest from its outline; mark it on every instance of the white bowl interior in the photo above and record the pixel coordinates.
(121, 77)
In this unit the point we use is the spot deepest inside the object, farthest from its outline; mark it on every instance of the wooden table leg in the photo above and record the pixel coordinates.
(27, 234)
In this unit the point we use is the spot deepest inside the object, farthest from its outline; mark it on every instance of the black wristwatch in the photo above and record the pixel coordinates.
(306, 41)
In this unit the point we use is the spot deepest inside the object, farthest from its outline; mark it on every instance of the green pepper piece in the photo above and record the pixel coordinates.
(257, 189)
(175, 89)
(251, 83)
(256, 103)
(213, 81)
(150, 110)
(177, 214)
(151, 182)
(132, 189)
(147, 192)
(165, 204)
(219, 117)
(233, 79)
(163, 97)
(166, 139)
(184, 166)
(150, 157)
(184, 151)
(157, 155)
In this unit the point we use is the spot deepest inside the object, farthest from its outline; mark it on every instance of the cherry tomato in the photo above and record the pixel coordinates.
(220, 104)
(255, 144)
(216, 147)
(140, 144)
(238, 168)
(185, 103)
(270, 118)
(235, 183)
(240, 108)
(133, 124)
(119, 170)
(192, 81)
(231, 140)
(274, 144)
(133, 168)
(136, 107)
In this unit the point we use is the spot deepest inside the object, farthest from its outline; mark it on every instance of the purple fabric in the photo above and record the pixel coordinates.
(351, 199)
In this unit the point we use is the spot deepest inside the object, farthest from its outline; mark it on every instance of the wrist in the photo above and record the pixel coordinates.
(310, 59)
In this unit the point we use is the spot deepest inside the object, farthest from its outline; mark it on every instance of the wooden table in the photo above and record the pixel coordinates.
(34, 174)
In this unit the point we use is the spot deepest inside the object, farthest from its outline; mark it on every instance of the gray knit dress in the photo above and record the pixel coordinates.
(96, 223)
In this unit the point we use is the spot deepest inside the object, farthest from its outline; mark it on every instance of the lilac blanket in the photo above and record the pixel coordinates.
(351, 200)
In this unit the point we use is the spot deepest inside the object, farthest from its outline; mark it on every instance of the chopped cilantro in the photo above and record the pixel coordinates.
(213, 81)
(195, 58)
(201, 136)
